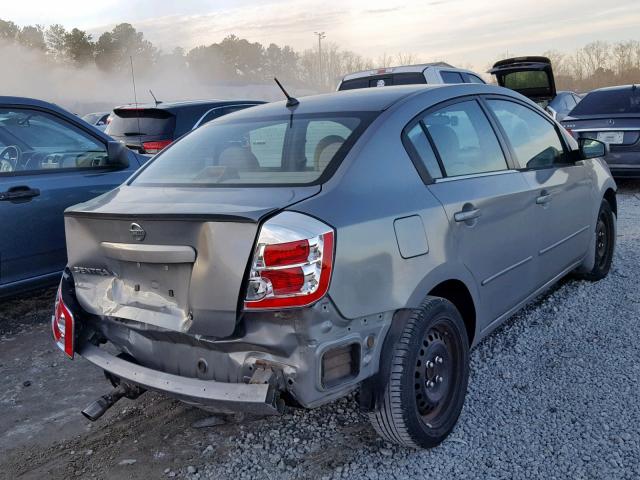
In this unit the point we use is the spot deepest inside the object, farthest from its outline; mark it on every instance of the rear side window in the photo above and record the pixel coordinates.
(474, 79)
(606, 102)
(384, 80)
(451, 77)
(127, 122)
(281, 150)
(465, 140)
(534, 140)
(423, 150)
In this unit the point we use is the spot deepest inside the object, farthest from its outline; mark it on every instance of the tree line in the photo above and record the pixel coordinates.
(236, 60)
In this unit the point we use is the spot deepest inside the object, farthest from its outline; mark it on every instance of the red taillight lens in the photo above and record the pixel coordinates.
(291, 273)
(155, 147)
(286, 281)
(289, 253)
(62, 325)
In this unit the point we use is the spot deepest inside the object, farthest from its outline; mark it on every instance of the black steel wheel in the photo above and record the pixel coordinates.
(605, 240)
(428, 378)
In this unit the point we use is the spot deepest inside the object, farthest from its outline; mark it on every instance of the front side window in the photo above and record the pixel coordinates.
(288, 149)
(31, 140)
(535, 141)
(465, 140)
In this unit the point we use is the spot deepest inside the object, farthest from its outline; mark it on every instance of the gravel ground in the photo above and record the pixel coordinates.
(552, 394)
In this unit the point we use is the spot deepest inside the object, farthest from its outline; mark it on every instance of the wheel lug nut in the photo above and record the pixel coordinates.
(429, 364)
(439, 379)
(429, 384)
(439, 360)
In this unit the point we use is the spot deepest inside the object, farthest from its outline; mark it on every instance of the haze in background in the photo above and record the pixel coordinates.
(234, 50)
(465, 32)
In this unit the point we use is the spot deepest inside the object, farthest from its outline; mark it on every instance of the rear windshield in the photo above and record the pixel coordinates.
(284, 150)
(134, 122)
(528, 79)
(607, 102)
(383, 81)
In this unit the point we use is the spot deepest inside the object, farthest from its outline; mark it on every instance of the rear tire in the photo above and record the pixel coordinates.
(604, 244)
(427, 383)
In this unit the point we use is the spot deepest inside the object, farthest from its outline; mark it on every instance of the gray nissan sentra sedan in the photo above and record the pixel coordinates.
(291, 253)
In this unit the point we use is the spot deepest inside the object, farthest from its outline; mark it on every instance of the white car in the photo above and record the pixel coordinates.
(431, 73)
(97, 119)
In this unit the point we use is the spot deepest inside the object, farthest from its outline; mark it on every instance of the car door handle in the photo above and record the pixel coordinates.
(466, 215)
(19, 193)
(543, 199)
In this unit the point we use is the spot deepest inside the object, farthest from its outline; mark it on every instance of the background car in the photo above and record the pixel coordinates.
(49, 159)
(97, 119)
(234, 276)
(533, 78)
(149, 128)
(432, 73)
(611, 115)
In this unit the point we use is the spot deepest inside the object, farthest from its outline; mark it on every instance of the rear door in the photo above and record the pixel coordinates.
(529, 76)
(486, 200)
(563, 189)
(49, 164)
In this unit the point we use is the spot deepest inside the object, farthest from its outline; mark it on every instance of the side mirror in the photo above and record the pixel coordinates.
(552, 112)
(118, 154)
(590, 148)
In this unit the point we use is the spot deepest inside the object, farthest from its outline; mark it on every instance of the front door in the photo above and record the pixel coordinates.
(561, 188)
(47, 164)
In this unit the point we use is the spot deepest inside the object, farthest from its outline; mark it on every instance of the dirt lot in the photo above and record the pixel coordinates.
(553, 393)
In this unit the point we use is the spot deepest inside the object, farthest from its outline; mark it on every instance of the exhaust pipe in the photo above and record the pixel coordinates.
(96, 409)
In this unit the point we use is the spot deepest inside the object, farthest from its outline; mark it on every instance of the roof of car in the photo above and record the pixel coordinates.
(10, 100)
(187, 103)
(417, 68)
(616, 87)
(358, 100)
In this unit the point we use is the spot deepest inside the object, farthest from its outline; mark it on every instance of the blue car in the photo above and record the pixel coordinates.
(49, 159)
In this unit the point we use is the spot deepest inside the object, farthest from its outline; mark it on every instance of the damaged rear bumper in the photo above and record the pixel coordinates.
(255, 398)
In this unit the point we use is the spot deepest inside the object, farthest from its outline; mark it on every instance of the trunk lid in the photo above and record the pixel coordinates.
(171, 258)
(529, 76)
(620, 132)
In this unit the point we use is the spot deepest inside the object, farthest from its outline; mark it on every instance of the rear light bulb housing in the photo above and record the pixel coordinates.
(62, 326)
(155, 146)
(291, 264)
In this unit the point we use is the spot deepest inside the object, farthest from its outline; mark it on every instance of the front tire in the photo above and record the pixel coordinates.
(605, 241)
(427, 380)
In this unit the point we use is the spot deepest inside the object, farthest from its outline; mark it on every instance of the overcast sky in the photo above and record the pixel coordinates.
(465, 32)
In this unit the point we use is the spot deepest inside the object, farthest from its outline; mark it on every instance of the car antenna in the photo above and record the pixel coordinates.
(135, 99)
(158, 102)
(291, 101)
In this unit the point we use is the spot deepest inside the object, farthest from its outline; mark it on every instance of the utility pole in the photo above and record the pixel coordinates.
(321, 36)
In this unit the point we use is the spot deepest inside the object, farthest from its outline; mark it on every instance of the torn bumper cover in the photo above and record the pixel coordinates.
(259, 399)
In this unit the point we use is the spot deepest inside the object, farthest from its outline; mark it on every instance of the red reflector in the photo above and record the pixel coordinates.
(285, 281)
(63, 326)
(156, 146)
(289, 253)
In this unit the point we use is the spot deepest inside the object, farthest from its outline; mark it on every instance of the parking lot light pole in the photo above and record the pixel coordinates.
(321, 36)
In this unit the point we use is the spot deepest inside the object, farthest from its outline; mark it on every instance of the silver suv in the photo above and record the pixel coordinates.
(431, 73)
(291, 253)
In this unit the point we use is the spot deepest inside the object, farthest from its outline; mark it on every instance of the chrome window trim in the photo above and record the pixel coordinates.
(474, 175)
(605, 129)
